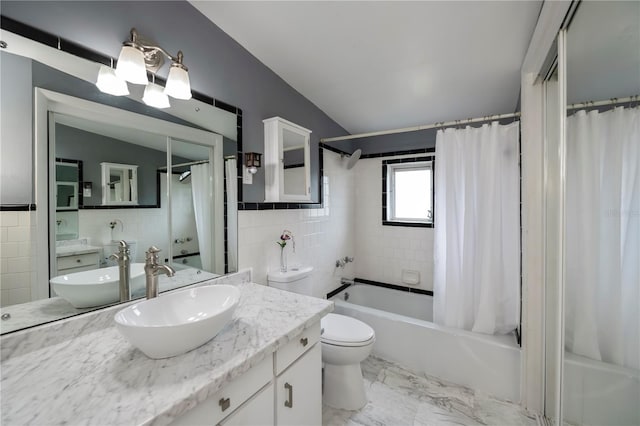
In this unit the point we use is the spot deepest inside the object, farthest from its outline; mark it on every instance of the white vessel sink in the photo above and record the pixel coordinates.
(175, 323)
(96, 287)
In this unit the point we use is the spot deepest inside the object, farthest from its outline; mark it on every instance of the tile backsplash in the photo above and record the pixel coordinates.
(322, 235)
(17, 256)
(383, 252)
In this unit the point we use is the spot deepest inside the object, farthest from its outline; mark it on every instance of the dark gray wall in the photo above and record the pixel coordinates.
(16, 148)
(397, 142)
(293, 158)
(229, 147)
(218, 66)
(93, 149)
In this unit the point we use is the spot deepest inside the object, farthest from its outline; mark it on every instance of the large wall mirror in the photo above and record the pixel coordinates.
(601, 232)
(110, 168)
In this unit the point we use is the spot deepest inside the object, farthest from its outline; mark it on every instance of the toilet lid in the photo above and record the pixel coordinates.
(341, 329)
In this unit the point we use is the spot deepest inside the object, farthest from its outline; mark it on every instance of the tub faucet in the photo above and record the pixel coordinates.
(124, 269)
(340, 263)
(152, 269)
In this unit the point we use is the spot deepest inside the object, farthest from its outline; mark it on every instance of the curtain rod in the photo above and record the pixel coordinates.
(193, 163)
(423, 127)
(612, 101)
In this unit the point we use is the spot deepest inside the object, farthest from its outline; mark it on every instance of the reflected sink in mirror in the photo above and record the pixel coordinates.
(97, 287)
(179, 322)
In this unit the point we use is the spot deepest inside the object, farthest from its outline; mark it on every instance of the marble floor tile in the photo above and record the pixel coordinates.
(398, 397)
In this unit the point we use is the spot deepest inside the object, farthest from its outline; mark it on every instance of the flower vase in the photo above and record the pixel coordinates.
(283, 260)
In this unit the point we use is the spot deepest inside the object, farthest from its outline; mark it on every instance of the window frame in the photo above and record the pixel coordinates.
(388, 202)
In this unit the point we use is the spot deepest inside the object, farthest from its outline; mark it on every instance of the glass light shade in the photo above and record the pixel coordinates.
(131, 66)
(178, 85)
(109, 83)
(253, 170)
(154, 96)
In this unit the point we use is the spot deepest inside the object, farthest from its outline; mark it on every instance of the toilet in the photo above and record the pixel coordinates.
(345, 342)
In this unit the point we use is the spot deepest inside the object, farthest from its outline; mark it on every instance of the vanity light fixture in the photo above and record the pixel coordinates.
(252, 160)
(139, 56)
(109, 82)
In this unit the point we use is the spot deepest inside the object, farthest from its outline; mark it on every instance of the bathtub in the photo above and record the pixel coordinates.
(406, 334)
(186, 261)
(598, 393)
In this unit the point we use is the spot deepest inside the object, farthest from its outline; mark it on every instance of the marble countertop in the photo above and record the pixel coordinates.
(65, 250)
(99, 378)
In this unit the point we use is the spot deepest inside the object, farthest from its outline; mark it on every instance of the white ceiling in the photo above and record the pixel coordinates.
(140, 137)
(377, 65)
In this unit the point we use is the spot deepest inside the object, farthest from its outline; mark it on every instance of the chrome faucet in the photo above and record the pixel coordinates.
(151, 270)
(124, 269)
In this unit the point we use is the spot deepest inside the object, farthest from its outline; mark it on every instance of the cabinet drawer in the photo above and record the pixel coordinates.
(80, 260)
(299, 345)
(218, 406)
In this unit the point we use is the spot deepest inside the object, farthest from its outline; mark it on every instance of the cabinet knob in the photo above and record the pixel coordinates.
(289, 402)
(78, 260)
(304, 341)
(224, 403)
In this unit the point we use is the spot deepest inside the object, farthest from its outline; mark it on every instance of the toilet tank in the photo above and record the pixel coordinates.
(296, 280)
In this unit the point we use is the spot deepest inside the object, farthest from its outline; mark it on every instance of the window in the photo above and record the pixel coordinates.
(408, 192)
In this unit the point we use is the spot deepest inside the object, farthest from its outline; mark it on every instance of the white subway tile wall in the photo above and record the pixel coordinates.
(382, 252)
(17, 256)
(145, 226)
(322, 235)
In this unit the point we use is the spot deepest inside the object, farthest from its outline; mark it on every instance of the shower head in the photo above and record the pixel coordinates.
(353, 159)
(184, 176)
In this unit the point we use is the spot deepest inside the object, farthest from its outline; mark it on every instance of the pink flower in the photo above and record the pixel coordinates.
(284, 237)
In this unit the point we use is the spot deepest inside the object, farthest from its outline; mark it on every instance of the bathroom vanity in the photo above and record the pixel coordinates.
(70, 259)
(290, 376)
(263, 368)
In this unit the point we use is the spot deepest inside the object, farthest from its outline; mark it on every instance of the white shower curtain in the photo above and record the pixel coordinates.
(477, 232)
(231, 173)
(602, 308)
(202, 190)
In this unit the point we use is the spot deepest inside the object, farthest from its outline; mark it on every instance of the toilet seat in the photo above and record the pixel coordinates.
(341, 330)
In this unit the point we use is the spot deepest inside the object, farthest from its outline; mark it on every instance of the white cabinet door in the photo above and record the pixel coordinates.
(299, 391)
(258, 411)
